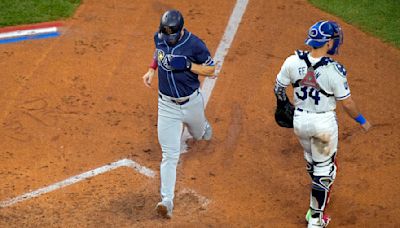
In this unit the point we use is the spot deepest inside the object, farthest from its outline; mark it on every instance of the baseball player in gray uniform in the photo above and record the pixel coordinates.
(180, 57)
(319, 83)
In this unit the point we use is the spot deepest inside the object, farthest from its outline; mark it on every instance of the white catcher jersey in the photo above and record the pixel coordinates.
(331, 78)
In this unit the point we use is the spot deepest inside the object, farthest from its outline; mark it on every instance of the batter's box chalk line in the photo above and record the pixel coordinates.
(222, 51)
(86, 175)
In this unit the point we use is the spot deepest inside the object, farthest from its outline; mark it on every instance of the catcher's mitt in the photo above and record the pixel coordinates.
(284, 113)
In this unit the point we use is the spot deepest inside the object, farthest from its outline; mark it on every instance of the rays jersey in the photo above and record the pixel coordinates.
(180, 83)
(330, 77)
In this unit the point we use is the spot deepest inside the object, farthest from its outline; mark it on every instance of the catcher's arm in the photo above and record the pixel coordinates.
(280, 93)
(351, 109)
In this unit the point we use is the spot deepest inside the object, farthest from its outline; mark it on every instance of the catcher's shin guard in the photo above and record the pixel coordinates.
(324, 174)
(320, 193)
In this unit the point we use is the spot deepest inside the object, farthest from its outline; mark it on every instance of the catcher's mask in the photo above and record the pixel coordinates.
(171, 25)
(323, 31)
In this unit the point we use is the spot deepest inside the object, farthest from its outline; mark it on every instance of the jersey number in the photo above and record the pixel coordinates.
(313, 94)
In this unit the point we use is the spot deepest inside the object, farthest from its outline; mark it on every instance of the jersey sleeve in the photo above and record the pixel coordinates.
(283, 77)
(340, 86)
(202, 54)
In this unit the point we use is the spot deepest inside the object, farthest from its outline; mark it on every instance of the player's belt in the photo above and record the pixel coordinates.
(180, 100)
(301, 110)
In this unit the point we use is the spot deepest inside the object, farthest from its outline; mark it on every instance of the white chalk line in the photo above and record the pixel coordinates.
(75, 179)
(29, 32)
(222, 51)
(207, 87)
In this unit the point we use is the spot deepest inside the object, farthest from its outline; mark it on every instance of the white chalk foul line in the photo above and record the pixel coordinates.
(28, 32)
(75, 179)
(222, 51)
(224, 45)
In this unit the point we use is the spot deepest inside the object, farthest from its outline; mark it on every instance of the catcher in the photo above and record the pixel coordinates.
(319, 82)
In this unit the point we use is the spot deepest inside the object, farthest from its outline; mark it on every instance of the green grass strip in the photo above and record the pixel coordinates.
(378, 17)
(16, 12)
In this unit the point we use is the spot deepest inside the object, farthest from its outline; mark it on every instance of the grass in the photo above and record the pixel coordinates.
(378, 17)
(16, 12)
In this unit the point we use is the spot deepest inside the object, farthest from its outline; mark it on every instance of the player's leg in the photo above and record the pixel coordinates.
(302, 131)
(195, 118)
(323, 148)
(169, 136)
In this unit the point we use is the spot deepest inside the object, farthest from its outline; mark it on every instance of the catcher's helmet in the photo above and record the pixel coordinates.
(171, 25)
(323, 31)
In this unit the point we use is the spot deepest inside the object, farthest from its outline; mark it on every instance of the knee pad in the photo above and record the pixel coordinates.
(326, 168)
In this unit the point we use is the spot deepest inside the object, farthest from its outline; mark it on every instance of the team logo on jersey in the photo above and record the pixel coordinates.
(340, 68)
(164, 59)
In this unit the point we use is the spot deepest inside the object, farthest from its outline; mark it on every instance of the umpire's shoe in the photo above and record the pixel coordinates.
(164, 209)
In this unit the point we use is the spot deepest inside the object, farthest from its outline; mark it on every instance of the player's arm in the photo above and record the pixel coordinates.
(204, 70)
(183, 63)
(148, 77)
(351, 109)
(203, 56)
(282, 81)
(341, 90)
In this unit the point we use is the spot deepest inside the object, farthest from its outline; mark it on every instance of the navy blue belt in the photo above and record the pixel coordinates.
(301, 110)
(175, 101)
(178, 101)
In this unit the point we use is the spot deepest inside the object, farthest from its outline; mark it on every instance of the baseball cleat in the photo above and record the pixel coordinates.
(164, 210)
(207, 133)
(317, 222)
(308, 215)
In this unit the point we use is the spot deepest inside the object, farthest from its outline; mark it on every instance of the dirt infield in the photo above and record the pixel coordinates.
(77, 102)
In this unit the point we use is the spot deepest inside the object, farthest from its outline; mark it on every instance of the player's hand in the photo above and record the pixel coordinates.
(366, 126)
(179, 62)
(148, 77)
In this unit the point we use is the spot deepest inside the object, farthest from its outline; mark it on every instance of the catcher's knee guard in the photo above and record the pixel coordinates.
(323, 176)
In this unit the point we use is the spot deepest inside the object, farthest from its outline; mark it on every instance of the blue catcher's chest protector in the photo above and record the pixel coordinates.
(180, 83)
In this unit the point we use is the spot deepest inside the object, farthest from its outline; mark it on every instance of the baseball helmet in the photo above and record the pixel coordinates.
(323, 31)
(171, 25)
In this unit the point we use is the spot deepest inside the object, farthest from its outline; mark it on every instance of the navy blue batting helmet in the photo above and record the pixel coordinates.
(323, 31)
(171, 25)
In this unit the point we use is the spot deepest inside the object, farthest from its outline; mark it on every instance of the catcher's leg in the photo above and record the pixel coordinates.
(323, 148)
(303, 132)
